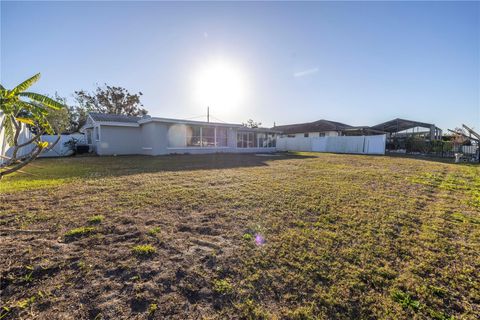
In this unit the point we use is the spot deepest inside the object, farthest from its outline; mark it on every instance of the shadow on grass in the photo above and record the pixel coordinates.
(430, 159)
(93, 166)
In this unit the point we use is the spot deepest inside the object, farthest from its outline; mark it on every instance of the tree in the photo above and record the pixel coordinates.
(252, 124)
(107, 99)
(459, 136)
(19, 106)
(59, 119)
(77, 117)
(113, 100)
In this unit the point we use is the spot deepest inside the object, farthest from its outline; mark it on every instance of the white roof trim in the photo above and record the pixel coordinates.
(175, 121)
(117, 124)
(204, 123)
(155, 119)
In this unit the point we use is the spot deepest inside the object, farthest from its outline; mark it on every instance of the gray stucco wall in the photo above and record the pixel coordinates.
(158, 139)
(154, 138)
(119, 140)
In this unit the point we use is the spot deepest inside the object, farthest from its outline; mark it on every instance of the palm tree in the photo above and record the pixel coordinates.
(19, 106)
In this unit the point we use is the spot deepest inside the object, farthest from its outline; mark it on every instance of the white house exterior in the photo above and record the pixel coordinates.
(122, 135)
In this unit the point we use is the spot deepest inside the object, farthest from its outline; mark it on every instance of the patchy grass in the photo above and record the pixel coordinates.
(222, 286)
(294, 236)
(96, 219)
(144, 250)
(154, 231)
(78, 232)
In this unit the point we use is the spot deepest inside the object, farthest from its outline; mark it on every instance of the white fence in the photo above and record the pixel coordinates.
(5, 149)
(60, 149)
(342, 144)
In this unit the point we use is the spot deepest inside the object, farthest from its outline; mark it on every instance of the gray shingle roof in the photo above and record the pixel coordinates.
(106, 117)
(317, 126)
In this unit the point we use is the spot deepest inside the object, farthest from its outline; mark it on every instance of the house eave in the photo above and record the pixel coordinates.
(204, 123)
(117, 124)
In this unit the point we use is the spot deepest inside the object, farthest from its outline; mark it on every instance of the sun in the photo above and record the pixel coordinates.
(220, 84)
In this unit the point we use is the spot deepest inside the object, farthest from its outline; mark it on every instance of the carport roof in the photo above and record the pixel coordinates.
(397, 125)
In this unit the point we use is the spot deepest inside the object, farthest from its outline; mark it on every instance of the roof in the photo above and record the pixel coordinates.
(316, 126)
(122, 120)
(107, 117)
(397, 125)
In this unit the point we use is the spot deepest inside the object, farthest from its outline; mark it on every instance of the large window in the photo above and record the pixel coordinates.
(194, 136)
(271, 140)
(221, 136)
(242, 139)
(255, 140)
(208, 137)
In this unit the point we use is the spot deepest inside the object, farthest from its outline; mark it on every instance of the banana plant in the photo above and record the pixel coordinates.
(18, 106)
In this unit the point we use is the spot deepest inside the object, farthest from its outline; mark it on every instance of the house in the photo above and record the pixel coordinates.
(109, 134)
(320, 128)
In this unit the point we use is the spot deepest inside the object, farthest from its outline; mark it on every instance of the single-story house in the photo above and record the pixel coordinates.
(110, 134)
(320, 128)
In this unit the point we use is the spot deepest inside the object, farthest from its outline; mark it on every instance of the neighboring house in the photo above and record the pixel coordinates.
(109, 134)
(320, 128)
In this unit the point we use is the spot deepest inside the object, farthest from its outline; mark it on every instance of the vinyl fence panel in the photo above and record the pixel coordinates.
(60, 149)
(340, 144)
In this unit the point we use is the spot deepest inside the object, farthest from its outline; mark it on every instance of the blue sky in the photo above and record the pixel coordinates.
(355, 62)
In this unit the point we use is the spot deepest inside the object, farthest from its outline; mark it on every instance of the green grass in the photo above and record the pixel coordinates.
(96, 219)
(78, 232)
(222, 286)
(346, 237)
(144, 250)
(155, 230)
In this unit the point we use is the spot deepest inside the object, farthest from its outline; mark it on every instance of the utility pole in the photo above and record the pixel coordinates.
(208, 114)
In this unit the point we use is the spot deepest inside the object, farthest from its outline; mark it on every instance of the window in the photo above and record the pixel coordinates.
(251, 140)
(208, 137)
(97, 133)
(221, 137)
(242, 139)
(193, 136)
(305, 135)
(89, 136)
(255, 140)
(321, 134)
(262, 140)
(290, 136)
(271, 141)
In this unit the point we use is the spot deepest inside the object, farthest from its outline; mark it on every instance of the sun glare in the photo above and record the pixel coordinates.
(220, 84)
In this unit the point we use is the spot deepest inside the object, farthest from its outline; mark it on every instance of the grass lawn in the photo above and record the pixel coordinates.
(299, 236)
